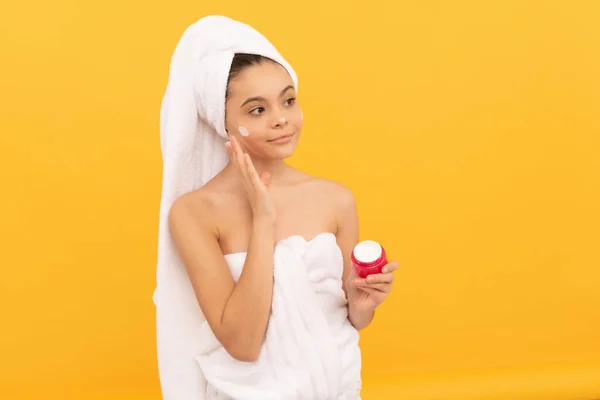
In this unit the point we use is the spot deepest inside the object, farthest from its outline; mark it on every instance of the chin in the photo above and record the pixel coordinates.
(284, 152)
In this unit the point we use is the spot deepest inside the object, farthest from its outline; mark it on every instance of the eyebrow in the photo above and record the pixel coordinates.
(259, 98)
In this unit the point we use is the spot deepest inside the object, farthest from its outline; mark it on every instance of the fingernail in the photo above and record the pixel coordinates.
(384, 270)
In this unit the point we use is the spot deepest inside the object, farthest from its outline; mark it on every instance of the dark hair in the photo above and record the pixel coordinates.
(242, 61)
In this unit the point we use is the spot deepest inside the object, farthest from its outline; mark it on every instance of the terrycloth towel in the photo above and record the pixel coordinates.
(310, 351)
(192, 133)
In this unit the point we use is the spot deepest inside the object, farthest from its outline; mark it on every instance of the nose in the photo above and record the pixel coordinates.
(279, 122)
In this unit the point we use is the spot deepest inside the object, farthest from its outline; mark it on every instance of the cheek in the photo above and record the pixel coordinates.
(252, 136)
(250, 130)
(299, 120)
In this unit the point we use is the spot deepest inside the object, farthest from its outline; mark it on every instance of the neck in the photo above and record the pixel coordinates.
(276, 168)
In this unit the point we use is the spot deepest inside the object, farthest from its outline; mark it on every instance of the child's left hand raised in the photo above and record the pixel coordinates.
(365, 295)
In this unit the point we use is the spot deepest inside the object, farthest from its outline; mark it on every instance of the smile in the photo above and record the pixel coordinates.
(281, 139)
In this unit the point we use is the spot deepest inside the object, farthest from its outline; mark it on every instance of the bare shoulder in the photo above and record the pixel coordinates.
(205, 207)
(339, 195)
(341, 205)
(197, 207)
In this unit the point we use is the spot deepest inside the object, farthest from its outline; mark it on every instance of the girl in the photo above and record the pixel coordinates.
(262, 243)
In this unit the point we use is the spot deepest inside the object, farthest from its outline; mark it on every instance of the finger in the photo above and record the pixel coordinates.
(240, 159)
(237, 150)
(380, 287)
(372, 292)
(252, 172)
(230, 151)
(233, 149)
(233, 156)
(391, 266)
(359, 281)
(381, 278)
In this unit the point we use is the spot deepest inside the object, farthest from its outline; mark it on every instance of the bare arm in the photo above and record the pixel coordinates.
(237, 314)
(347, 237)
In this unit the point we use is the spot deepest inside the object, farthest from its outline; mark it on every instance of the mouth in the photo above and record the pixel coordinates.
(281, 139)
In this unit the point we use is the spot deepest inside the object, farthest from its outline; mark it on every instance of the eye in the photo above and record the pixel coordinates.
(256, 109)
(291, 100)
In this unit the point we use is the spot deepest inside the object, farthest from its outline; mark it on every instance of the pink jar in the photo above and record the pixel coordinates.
(368, 257)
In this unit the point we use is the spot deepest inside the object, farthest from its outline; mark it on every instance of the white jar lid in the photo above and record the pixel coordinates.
(367, 251)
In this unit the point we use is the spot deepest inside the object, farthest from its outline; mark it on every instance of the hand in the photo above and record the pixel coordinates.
(365, 295)
(256, 186)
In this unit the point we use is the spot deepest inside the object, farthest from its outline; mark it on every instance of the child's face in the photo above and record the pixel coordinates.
(262, 107)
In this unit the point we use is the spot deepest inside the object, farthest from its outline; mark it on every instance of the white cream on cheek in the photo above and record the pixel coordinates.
(243, 131)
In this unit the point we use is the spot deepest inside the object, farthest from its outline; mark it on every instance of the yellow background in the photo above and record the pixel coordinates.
(469, 131)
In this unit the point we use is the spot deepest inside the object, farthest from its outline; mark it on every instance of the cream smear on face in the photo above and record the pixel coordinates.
(243, 131)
